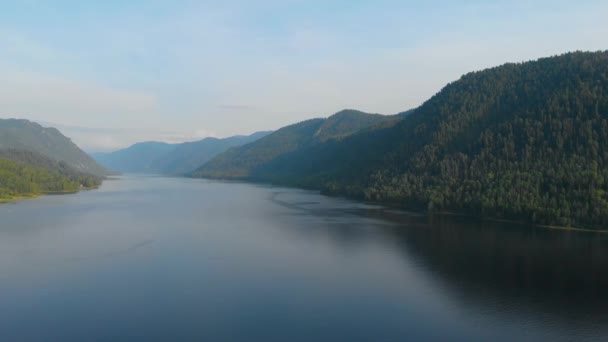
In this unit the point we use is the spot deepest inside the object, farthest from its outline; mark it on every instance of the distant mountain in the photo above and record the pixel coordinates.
(163, 158)
(137, 158)
(26, 173)
(241, 162)
(187, 157)
(523, 141)
(49, 142)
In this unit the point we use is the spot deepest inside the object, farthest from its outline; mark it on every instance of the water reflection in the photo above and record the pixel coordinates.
(229, 261)
(525, 274)
(563, 271)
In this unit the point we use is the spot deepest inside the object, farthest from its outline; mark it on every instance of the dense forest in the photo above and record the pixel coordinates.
(47, 141)
(242, 162)
(525, 141)
(26, 173)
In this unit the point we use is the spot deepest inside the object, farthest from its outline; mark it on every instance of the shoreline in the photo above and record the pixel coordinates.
(14, 199)
(387, 205)
(521, 223)
(401, 208)
(479, 218)
(23, 197)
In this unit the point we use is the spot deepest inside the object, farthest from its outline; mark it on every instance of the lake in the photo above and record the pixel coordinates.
(152, 258)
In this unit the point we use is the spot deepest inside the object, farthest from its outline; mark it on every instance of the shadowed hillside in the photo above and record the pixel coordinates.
(242, 162)
(522, 141)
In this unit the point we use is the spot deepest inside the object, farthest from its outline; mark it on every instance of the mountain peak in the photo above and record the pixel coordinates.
(241, 162)
(347, 122)
(346, 112)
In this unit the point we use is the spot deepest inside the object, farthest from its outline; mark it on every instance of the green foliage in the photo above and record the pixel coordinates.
(243, 162)
(522, 141)
(237, 162)
(26, 173)
(347, 122)
(26, 135)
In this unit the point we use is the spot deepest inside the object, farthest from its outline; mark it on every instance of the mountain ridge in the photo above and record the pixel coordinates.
(521, 141)
(164, 158)
(48, 141)
(241, 162)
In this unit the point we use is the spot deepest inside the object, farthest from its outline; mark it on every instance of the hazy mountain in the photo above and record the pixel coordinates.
(241, 162)
(137, 158)
(523, 141)
(189, 156)
(49, 142)
(163, 158)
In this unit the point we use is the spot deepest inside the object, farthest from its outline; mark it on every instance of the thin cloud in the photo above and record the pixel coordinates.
(41, 96)
(117, 76)
(235, 107)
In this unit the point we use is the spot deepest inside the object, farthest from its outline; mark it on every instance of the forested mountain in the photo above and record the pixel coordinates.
(242, 162)
(163, 158)
(347, 122)
(49, 142)
(26, 173)
(526, 141)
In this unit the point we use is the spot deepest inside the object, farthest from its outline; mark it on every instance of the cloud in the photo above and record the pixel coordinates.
(39, 96)
(18, 46)
(118, 74)
(235, 107)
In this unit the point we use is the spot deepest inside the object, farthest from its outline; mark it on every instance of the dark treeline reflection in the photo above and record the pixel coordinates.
(564, 269)
(519, 275)
(560, 272)
(146, 257)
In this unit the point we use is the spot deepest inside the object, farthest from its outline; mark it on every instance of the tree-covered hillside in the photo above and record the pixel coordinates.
(242, 162)
(524, 141)
(26, 173)
(347, 122)
(27, 135)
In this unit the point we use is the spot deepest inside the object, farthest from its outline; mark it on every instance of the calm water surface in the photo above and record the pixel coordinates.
(147, 258)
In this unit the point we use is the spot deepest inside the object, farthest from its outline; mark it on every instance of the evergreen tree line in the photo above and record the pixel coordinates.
(525, 141)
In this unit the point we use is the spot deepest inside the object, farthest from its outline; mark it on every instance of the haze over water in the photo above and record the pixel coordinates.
(147, 258)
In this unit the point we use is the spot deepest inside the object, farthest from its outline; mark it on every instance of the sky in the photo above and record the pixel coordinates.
(111, 73)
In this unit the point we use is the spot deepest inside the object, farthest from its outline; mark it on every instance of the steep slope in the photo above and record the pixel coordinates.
(49, 142)
(521, 141)
(242, 162)
(163, 158)
(25, 173)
